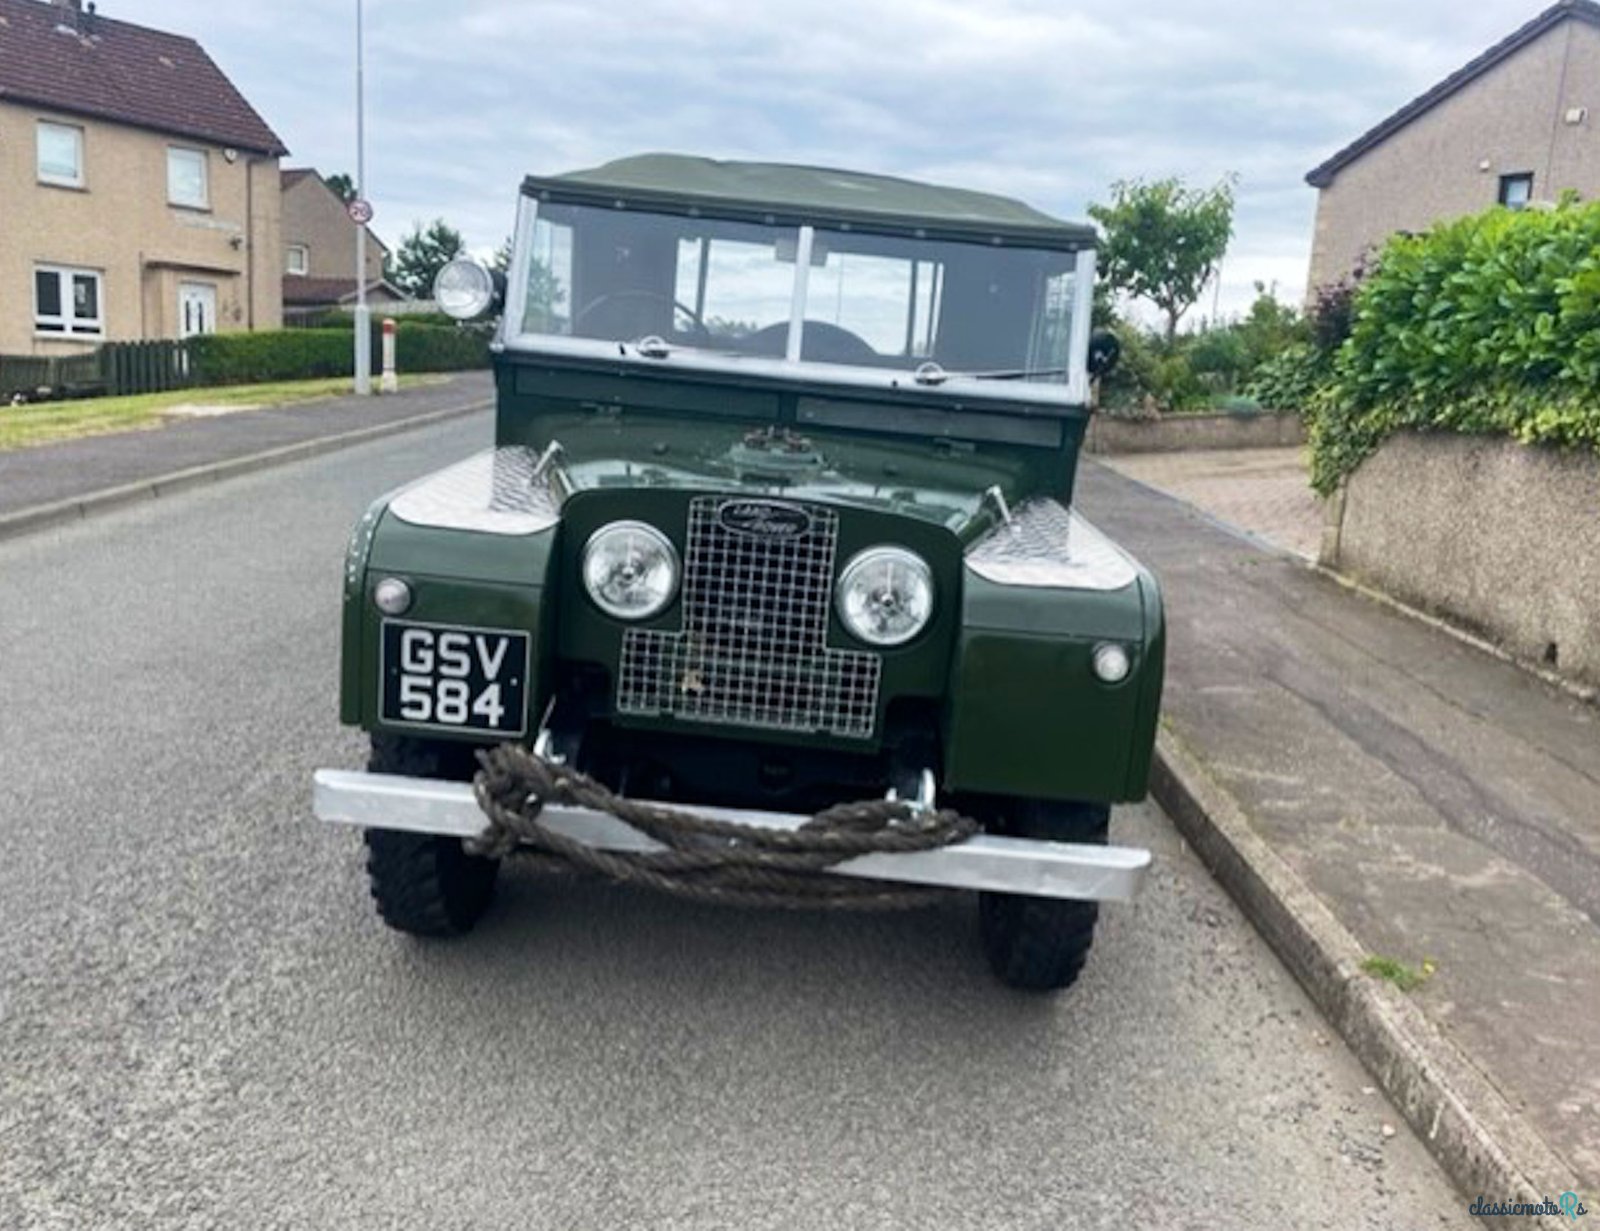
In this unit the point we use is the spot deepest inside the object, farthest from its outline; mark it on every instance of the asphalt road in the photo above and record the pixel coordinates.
(202, 1023)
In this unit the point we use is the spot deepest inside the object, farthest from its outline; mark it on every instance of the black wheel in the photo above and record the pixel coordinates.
(1040, 944)
(426, 884)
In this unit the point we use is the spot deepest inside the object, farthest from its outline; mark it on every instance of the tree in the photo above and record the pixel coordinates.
(1164, 241)
(343, 186)
(422, 254)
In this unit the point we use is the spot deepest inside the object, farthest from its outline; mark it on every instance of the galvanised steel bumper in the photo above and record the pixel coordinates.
(1003, 865)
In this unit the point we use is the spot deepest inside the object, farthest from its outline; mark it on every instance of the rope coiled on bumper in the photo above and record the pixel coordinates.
(710, 860)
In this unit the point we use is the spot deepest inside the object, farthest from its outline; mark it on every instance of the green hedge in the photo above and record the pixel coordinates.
(306, 354)
(1490, 325)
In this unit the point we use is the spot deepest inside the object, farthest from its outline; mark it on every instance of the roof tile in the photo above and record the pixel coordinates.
(119, 71)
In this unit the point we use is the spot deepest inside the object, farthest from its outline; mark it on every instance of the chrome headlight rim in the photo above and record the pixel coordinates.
(472, 293)
(645, 530)
(851, 573)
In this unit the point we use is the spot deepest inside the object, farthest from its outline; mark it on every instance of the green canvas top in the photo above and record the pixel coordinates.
(789, 194)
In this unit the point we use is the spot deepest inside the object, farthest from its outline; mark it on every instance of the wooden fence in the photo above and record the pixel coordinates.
(115, 368)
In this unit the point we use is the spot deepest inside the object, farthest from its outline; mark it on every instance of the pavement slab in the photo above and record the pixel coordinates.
(1441, 802)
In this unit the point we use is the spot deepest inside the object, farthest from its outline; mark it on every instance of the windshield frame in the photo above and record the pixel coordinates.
(1074, 392)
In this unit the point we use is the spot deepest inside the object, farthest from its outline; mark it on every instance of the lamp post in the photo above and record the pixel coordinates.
(363, 330)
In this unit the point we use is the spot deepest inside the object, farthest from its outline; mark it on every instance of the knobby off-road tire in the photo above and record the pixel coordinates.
(1040, 944)
(426, 884)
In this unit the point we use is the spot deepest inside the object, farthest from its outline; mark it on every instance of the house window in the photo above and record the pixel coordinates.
(61, 155)
(299, 259)
(67, 301)
(186, 178)
(1516, 190)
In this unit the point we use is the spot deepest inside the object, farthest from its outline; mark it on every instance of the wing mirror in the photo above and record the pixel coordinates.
(1104, 351)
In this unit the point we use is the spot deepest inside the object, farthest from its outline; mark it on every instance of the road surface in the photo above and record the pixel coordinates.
(202, 1023)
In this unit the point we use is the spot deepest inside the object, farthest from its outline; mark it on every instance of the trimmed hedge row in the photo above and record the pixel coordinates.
(1486, 325)
(306, 354)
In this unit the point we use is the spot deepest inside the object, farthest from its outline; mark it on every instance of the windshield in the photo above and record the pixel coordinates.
(702, 286)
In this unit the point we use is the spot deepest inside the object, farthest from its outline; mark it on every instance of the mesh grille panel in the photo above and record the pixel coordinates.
(753, 649)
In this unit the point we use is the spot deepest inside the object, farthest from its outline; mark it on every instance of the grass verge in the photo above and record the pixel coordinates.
(47, 422)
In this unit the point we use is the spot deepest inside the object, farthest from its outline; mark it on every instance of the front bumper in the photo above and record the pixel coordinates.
(1002, 865)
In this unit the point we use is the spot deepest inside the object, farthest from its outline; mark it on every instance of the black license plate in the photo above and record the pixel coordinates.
(455, 679)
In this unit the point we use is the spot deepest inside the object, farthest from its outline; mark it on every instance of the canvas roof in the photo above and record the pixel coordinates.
(789, 194)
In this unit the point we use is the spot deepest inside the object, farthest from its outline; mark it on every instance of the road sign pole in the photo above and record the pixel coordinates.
(363, 330)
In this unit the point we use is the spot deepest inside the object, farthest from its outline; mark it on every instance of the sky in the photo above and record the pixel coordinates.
(1047, 100)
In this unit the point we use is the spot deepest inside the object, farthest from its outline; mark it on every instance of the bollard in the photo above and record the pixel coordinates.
(390, 383)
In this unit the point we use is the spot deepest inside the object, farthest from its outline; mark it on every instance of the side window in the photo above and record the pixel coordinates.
(298, 259)
(187, 178)
(60, 155)
(67, 301)
(1516, 190)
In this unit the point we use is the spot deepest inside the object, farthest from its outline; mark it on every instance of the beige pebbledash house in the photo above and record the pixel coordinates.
(1517, 125)
(139, 193)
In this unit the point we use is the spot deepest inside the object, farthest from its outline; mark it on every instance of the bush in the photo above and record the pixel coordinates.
(1490, 324)
(1292, 379)
(307, 354)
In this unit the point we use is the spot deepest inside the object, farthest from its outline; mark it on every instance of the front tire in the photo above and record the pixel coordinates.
(1040, 944)
(426, 884)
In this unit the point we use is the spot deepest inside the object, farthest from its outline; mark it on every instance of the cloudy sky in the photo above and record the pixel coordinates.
(1049, 100)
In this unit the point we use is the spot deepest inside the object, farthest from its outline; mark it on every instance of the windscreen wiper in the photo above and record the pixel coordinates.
(933, 374)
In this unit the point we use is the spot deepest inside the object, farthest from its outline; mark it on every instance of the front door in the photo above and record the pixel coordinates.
(197, 308)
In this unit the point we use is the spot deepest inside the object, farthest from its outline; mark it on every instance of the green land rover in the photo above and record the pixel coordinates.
(778, 517)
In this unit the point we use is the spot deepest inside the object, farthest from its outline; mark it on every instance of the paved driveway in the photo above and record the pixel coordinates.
(1263, 491)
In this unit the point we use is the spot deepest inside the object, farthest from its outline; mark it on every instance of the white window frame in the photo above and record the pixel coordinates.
(304, 252)
(46, 177)
(205, 177)
(72, 326)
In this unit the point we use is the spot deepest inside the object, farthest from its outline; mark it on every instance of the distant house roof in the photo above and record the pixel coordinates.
(1581, 10)
(290, 176)
(82, 63)
(810, 194)
(299, 292)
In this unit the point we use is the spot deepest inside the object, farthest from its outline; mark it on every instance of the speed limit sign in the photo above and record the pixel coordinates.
(360, 211)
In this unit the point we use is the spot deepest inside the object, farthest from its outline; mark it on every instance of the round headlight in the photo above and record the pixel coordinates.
(464, 289)
(630, 570)
(886, 595)
(1111, 663)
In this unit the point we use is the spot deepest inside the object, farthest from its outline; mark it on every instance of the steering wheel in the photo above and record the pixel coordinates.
(819, 341)
(697, 326)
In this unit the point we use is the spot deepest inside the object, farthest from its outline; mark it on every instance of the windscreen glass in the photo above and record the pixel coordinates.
(869, 301)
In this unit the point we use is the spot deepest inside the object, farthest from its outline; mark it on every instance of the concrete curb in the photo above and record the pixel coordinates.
(44, 516)
(1482, 1143)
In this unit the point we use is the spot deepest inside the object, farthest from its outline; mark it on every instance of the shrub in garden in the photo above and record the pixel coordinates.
(1489, 324)
(306, 354)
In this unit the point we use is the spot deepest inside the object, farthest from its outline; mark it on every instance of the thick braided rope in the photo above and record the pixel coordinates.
(705, 859)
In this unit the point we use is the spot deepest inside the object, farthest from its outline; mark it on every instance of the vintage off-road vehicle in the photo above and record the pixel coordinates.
(779, 514)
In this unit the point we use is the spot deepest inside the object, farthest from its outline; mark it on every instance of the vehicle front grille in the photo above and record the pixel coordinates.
(753, 651)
